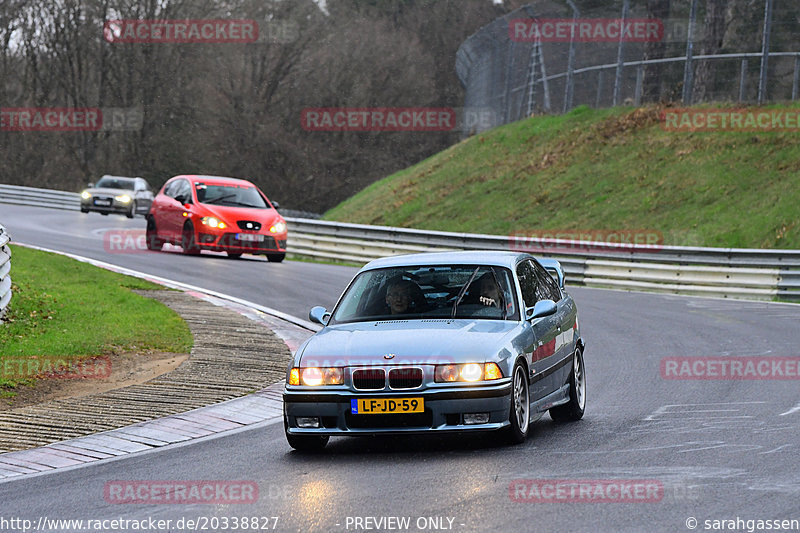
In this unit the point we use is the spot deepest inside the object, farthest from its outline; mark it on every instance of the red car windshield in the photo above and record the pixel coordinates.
(230, 195)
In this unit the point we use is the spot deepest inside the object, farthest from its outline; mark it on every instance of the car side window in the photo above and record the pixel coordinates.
(528, 283)
(171, 189)
(548, 287)
(178, 188)
(184, 189)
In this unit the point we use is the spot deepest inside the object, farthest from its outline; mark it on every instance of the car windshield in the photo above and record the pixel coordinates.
(115, 183)
(422, 292)
(230, 195)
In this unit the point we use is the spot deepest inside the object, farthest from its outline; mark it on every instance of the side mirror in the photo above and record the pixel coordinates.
(276, 205)
(182, 199)
(90, 185)
(542, 309)
(319, 314)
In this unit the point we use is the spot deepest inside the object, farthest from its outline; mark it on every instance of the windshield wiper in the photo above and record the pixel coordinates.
(462, 292)
(218, 198)
(501, 292)
(247, 205)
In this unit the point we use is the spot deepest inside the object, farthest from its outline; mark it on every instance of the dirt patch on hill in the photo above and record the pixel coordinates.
(125, 369)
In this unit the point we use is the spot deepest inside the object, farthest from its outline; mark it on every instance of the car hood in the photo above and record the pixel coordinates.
(267, 217)
(410, 342)
(110, 192)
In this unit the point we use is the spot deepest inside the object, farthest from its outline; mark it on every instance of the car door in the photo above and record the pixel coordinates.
(564, 319)
(175, 207)
(168, 212)
(543, 333)
(159, 208)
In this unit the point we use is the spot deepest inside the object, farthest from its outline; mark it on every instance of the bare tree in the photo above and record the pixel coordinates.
(714, 26)
(660, 10)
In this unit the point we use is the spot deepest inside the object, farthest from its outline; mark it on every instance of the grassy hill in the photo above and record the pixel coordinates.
(608, 169)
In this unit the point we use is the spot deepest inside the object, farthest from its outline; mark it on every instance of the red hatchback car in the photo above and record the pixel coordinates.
(214, 213)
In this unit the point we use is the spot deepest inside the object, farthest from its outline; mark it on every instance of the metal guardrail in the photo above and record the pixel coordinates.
(14, 194)
(5, 271)
(720, 272)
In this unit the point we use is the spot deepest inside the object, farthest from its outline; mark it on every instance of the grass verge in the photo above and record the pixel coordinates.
(73, 311)
(608, 169)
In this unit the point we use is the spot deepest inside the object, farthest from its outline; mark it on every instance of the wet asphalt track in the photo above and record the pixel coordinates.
(721, 449)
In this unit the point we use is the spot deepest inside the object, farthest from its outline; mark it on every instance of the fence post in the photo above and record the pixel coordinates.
(688, 69)
(600, 80)
(762, 79)
(569, 89)
(620, 57)
(796, 80)
(637, 98)
(742, 80)
(510, 56)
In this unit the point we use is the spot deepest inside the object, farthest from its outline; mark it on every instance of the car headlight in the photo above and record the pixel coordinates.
(470, 373)
(123, 199)
(86, 195)
(278, 227)
(314, 377)
(212, 222)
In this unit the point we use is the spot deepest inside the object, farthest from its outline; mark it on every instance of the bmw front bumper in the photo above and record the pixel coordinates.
(444, 410)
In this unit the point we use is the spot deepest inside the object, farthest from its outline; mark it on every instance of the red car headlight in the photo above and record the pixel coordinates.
(213, 222)
(278, 227)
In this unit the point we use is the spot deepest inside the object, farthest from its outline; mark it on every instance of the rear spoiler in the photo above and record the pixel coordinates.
(553, 268)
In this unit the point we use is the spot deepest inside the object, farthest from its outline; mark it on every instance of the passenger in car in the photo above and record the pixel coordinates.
(488, 290)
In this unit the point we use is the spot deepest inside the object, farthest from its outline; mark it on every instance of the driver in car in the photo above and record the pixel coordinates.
(399, 296)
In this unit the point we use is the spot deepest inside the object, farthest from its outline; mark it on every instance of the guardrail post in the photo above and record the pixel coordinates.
(5, 272)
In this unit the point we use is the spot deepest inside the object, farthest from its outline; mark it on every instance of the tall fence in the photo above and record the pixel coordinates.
(551, 58)
(5, 271)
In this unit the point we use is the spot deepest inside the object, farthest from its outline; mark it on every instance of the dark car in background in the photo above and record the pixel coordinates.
(117, 194)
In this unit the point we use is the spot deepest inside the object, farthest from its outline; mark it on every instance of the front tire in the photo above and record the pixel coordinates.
(151, 236)
(188, 241)
(520, 412)
(573, 410)
(276, 258)
(132, 211)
